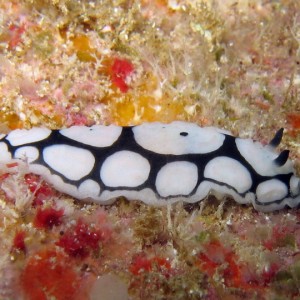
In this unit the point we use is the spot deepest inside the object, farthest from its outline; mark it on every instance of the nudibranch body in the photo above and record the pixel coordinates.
(156, 163)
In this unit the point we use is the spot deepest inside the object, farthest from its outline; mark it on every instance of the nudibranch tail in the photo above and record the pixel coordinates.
(157, 163)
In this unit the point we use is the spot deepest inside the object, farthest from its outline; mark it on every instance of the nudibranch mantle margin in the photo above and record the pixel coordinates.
(156, 163)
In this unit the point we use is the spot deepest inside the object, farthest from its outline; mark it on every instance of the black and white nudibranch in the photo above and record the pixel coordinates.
(156, 163)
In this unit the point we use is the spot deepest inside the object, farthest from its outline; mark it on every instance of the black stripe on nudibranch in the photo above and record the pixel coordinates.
(157, 163)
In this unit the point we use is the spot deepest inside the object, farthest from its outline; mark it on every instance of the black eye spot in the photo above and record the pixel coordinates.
(183, 133)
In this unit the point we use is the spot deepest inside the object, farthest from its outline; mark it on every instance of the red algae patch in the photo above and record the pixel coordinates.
(217, 260)
(42, 191)
(81, 240)
(48, 217)
(294, 120)
(141, 264)
(49, 274)
(15, 33)
(19, 242)
(121, 70)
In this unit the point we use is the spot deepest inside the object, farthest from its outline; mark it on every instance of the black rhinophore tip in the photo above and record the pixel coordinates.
(277, 138)
(282, 158)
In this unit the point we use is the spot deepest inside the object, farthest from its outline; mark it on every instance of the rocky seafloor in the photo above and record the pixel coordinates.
(229, 64)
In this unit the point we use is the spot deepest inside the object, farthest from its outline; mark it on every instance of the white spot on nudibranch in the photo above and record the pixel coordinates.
(125, 169)
(271, 190)
(5, 154)
(28, 153)
(166, 138)
(89, 189)
(227, 170)
(97, 135)
(22, 136)
(177, 178)
(295, 185)
(72, 162)
(2, 136)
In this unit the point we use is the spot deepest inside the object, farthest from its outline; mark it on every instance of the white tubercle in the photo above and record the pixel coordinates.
(22, 136)
(72, 162)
